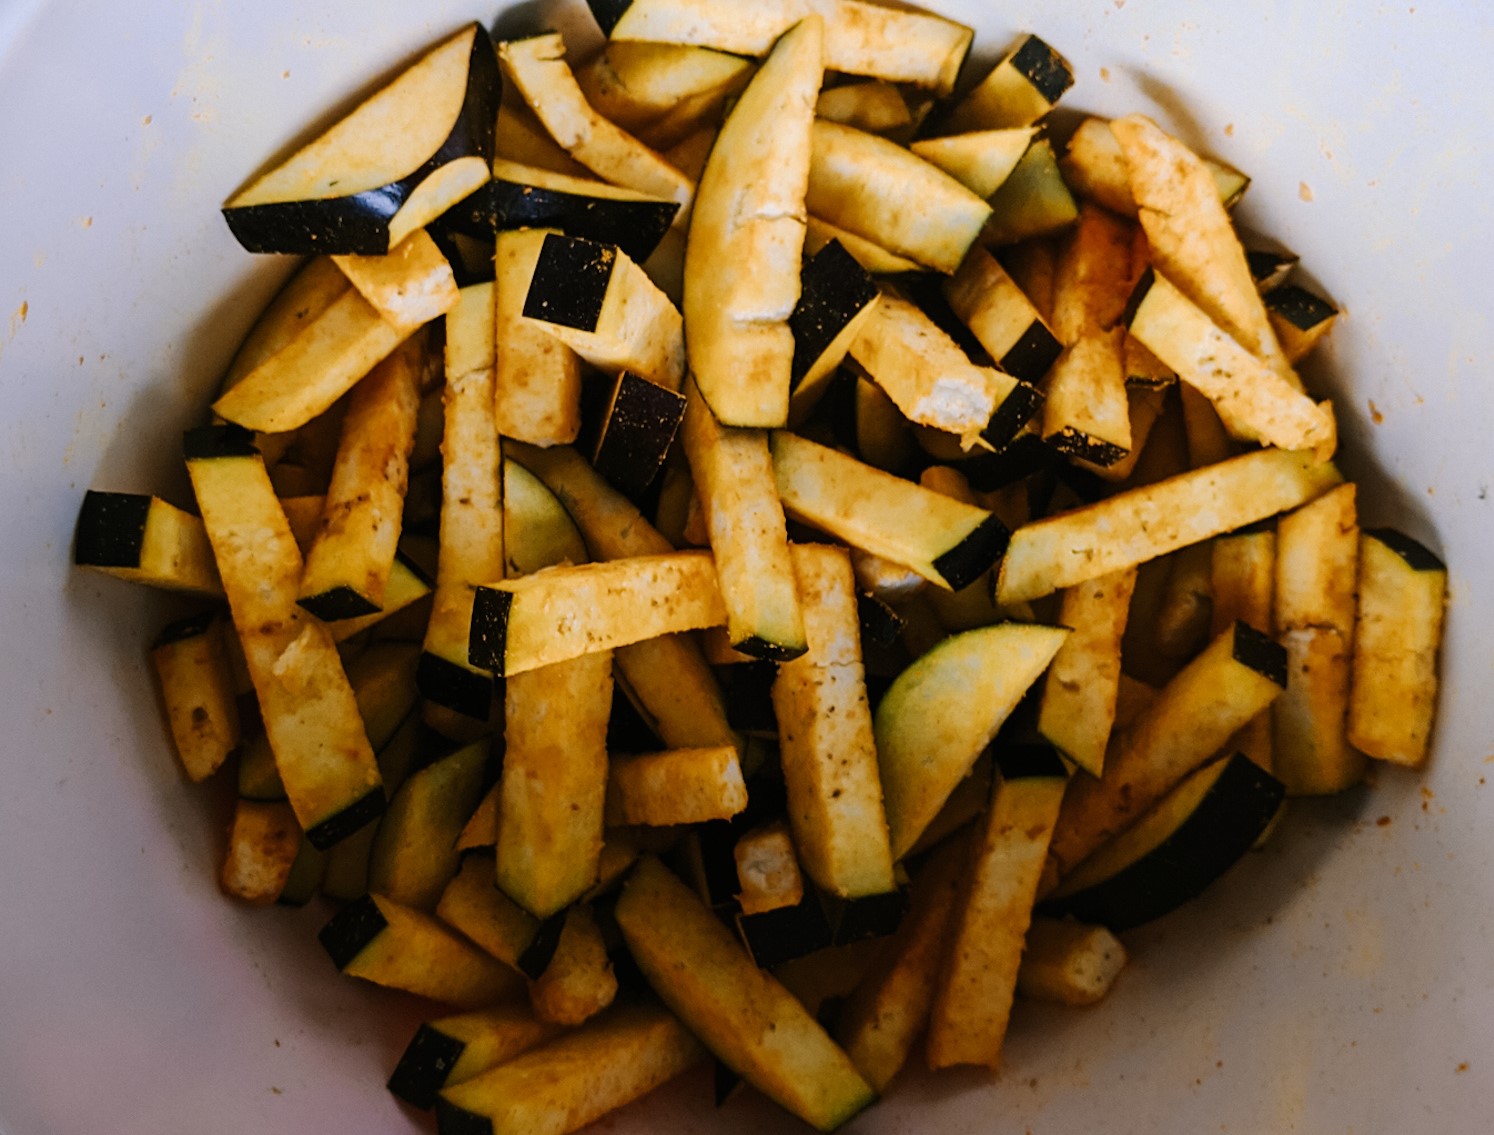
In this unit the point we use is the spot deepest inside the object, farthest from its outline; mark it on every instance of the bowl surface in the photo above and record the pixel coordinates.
(1341, 981)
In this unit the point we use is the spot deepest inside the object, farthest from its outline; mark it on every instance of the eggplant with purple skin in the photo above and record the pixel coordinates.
(402, 158)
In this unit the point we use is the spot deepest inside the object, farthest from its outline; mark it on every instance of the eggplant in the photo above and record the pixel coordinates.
(633, 431)
(362, 186)
(146, 540)
(1023, 86)
(191, 661)
(452, 1049)
(980, 160)
(1033, 201)
(1003, 320)
(1188, 840)
(1300, 319)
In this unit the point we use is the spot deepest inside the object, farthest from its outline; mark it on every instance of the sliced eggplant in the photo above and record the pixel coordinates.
(306, 703)
(829, 754)
(1079, 692)
(768, 874)
(676, 786)
(537, 391)
(749, 212)
(574, 1079)
(528, 197)
(1237, 676)
(472, 904)
(410, 285)
(263, 842)
(1242, 584)
(999, 314)
(662, 92)
(565, 612)
(973, 999)
(347, 568)
(1024, 85)
(578, 982)
(1251, 397)
(398, 161)
(472, 508)
(1095, 167)
(880, 191)
(536, 66)
(945, 541)
(836, 296)
(1069, 963)
(395, 946)
(554, 782)
(874, 106)
(1300, 319)
(733, 474)
(596, 300)
(145, 540)
(190, 658)
(741, 1013)
(899, 45)
(1033, 201)
(980, 160)
(1317, 560)
(450, 1050)
(1402, 597)
(1190, 838)
(819, 232)
(1141, 524)
(634, 431)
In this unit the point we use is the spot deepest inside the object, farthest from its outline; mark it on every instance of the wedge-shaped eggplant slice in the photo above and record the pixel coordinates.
(662, 92)
(347, 568)
(394, 946)
(973, 1000)
(1191, 837)
(1300, 319)
(941, 712)
(1242, 583)
(825, 736)
(667, 676)
(574, 1079)
(1317, 559)
(527, 197)
(899, 45)
(1023, 86)
(750, 1021)
(1251, 397)
(878, 190)
(980, 160)
(836, 296)
(537, 392)
(1033, 201)
(536, 66)
(263, 842)
(1141, 524)
(1393, 696)
(410, 285)
(733, 474)
(566, 612)
(874, 106)
(1191, 239)
(1002, 318)
(947, 542)
(414, 854)
(197, 689)
(1094, 165)
(886, 1013)
(538, 531)
(311, 290)
(636, 424)
(309, 712)
(1079, 691)
(1069, 963)
(602, 305)
(398, 161)
(749, 212)
(676, 786)
(925, 373)
(145, 540)
(1237, 676)
(472, 508)
(451, 1050)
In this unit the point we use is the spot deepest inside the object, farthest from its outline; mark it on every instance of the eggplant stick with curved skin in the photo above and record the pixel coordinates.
(537, 380)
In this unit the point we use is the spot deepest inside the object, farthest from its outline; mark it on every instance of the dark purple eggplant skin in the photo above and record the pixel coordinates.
(634, 432)
(569, 285)
(455, 687)
(636, 227)
(1223, 827)
(422, 1071)
(833, 289)
(489, 638)
(1044, 68)
(359, 223)
(1417, 555)
(111, 529)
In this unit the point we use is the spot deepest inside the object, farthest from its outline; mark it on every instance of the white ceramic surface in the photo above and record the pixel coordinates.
(1343, 981)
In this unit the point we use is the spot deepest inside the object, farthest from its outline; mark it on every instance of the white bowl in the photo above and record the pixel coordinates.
(1341, 981)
